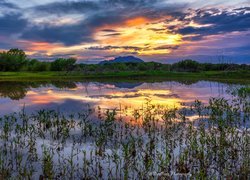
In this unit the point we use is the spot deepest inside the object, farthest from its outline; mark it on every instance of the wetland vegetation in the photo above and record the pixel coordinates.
(197, 141)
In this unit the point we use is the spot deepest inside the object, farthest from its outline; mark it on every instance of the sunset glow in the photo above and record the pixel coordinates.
(141, 34)
(110, 99)
(155, 30)
(124, 89)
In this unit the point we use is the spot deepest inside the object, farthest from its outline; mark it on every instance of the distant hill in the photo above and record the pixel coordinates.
(123, 59)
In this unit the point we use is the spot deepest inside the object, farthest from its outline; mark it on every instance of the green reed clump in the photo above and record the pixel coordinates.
(47, 164)
(202, 141)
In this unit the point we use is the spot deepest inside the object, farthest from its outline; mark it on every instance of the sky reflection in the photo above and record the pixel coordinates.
(110, 95)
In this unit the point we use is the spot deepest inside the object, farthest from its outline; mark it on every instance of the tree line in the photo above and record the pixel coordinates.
(17, 60)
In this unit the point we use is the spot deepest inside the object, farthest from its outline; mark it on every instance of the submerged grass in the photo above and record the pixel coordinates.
(200, 141)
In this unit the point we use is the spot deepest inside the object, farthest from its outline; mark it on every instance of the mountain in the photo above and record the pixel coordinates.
(123, 59)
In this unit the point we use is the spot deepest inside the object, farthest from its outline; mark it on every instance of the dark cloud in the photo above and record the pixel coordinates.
(84, 6)
(219, 21)
(73, 34)
(243, 9)
(126, 3)
(66, 34)
(134, 48)
(196, 37)
(93, 15)
(99, 48)
(5, 4)
(12, 23)
(157, 29)
(109, 30)
(167, 95)
(96, 14)
(166, 47)
(67, 7)
(113, 34)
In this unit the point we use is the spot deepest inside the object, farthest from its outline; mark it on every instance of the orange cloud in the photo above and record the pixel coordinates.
(136, 21)
(33, 47)
(146, 34)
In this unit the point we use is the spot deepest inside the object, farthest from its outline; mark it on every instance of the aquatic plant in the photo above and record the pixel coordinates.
(199, 141)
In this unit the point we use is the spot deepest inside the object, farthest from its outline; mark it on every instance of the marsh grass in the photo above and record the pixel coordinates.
(153, 142)
(149, 76)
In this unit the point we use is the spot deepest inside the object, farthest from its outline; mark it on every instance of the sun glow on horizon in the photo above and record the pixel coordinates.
(139, 35)
(148, 37)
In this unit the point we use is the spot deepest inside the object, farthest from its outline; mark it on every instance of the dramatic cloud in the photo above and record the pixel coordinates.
(12, 23)
(114, 47)
(67, 34)
(218, 22)
(7, 7)
(95, 29)
(67, 7)
(5, 4)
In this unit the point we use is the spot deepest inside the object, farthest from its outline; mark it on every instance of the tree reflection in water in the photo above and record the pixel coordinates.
(18, 90)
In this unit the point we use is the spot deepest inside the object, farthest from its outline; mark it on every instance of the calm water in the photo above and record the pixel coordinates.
(77, 96)
(110, 147)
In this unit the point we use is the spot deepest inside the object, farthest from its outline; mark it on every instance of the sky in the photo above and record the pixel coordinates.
(154, 30)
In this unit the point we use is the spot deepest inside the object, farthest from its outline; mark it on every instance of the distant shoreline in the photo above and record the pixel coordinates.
(230, 76)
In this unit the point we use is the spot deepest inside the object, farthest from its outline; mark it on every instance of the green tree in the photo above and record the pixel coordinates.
(62, 64)
(186, 65)
(13, 60)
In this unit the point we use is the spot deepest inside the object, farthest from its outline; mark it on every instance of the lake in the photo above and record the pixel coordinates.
(124, 130)
(76, 96)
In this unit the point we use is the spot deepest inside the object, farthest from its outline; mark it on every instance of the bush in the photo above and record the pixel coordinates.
(186, 65)
(62, 64)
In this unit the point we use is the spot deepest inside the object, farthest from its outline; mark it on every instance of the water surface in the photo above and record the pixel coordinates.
(73, 144)
(77, 96)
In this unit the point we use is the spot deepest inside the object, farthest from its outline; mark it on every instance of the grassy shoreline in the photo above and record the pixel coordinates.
(156, 75)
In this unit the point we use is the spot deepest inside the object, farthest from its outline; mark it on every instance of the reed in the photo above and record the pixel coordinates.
(153, 142)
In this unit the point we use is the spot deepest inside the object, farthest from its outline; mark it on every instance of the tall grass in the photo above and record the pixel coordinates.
(199, 141)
